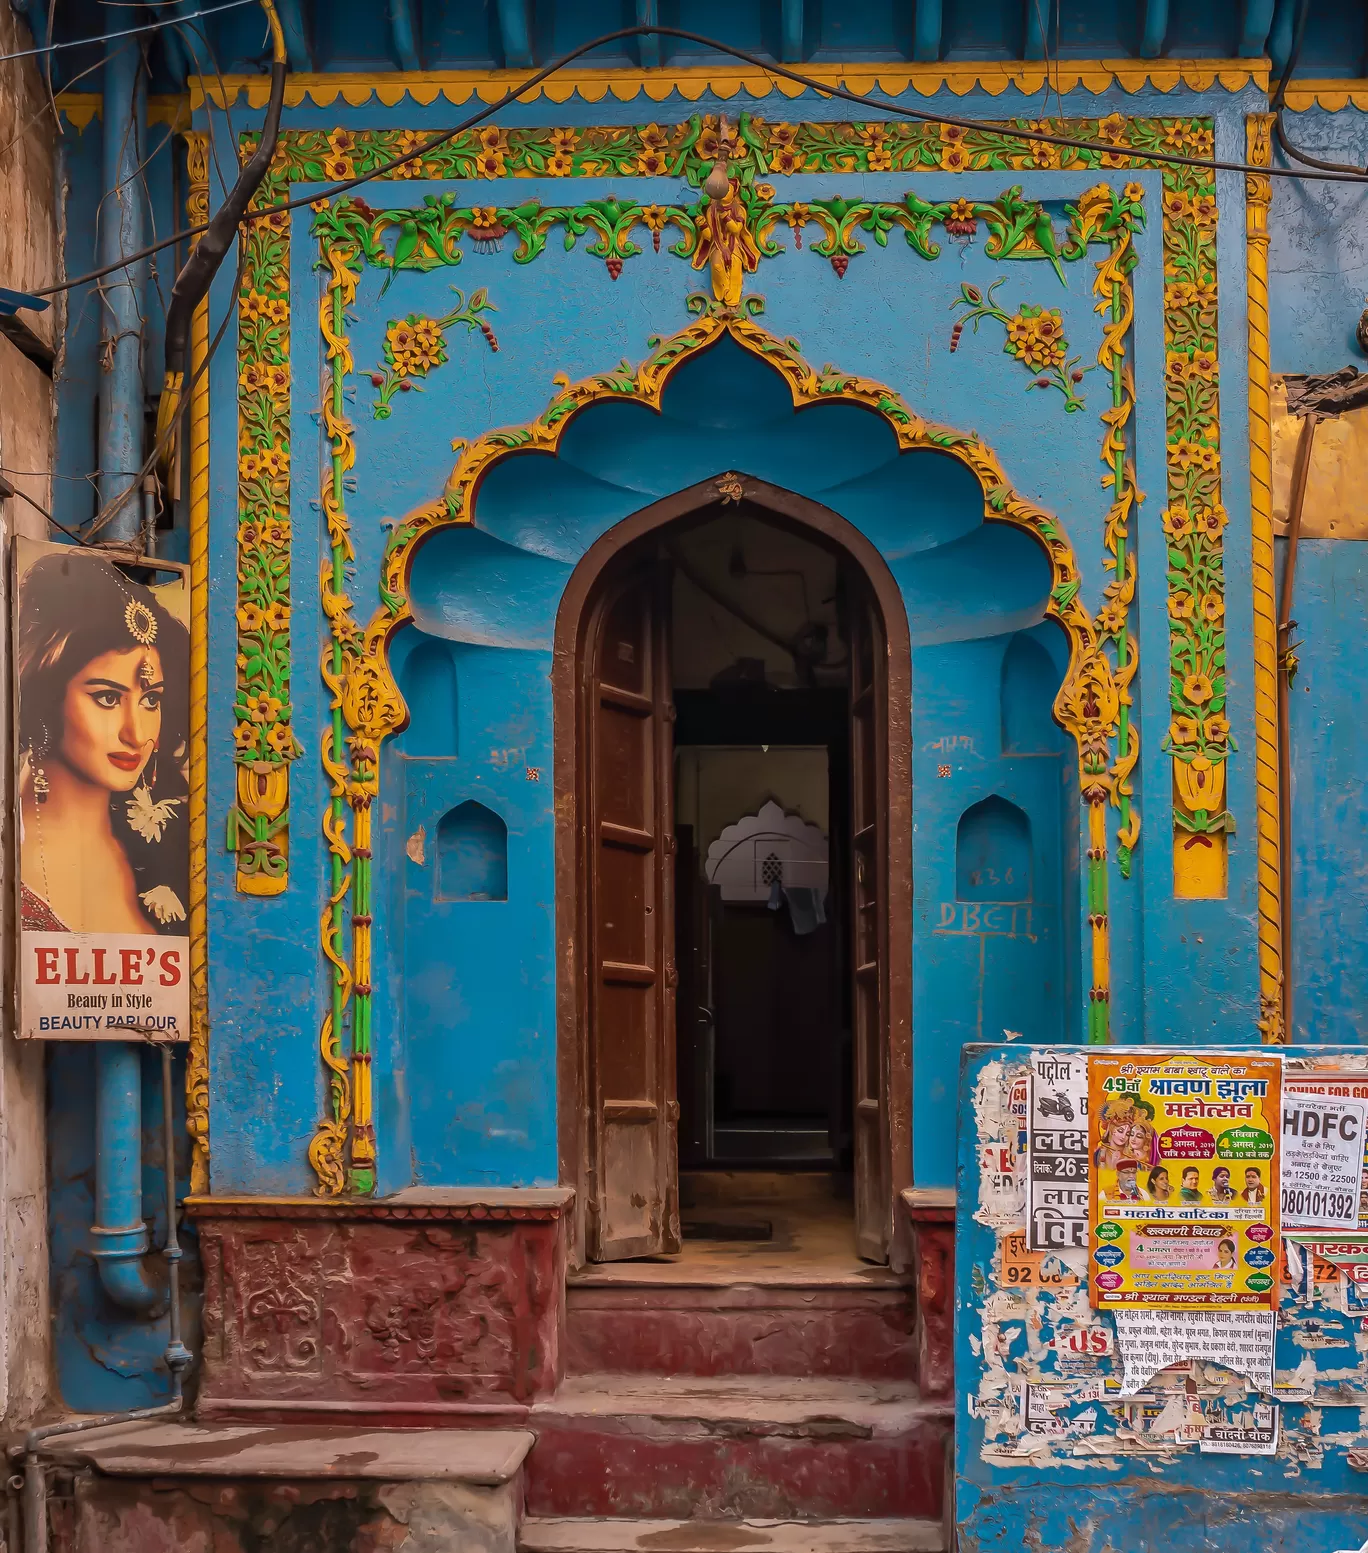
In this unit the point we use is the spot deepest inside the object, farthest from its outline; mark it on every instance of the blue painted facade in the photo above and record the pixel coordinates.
(465, 926)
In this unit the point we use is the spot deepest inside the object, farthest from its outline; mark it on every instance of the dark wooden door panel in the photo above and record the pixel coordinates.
(633, 1208)
(869, 926)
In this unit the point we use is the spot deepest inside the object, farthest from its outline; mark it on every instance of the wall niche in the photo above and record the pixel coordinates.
(993, 852)
(472, 854)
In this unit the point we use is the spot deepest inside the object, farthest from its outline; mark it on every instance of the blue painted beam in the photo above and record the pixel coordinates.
(404, 34)
(791, 37)
(1258, 23)
(297, 46)
(515, 34)
(1155, 29)
(1034, 47)
(926, 30)
(1280, 35)
(648, 47)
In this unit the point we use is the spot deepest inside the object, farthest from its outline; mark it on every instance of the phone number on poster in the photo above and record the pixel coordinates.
(1302, 1202)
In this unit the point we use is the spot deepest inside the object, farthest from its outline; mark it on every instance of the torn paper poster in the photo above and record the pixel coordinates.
(1057, 1150)
(1026, 1269)
(1240, 1431)
(1322, 1161)
(1082, 1342)
(1001, 1101)
(1044, 1415)
(1184, 1179)
(1340, 1086)
(1152, 1340)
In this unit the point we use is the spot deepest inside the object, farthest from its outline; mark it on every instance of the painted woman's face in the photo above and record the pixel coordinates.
(111, 717)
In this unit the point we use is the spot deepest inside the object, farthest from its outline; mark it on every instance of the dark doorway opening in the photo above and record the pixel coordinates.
(760, 655)
(735, 828)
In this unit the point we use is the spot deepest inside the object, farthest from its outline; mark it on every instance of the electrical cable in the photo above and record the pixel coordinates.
(34, 117)
(70, 533)
(164, 435)
(127, 32)
(1276, 106)
(822, 88)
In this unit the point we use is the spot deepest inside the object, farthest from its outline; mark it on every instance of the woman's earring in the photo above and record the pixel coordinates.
(150, 775)
(40, 781)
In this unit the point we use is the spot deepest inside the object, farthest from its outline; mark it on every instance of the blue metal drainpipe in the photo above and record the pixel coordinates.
(119, 1234)
(122, 229)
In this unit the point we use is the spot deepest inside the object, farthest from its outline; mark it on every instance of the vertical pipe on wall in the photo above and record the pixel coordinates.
(122, 229)
(1286, 667)
(119, 1233)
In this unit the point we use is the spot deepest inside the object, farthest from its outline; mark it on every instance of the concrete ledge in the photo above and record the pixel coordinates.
(461, 1203)
(485, 1458)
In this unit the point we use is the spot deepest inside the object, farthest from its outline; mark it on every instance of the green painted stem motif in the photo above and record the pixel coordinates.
(416, 345)
(1035, 338)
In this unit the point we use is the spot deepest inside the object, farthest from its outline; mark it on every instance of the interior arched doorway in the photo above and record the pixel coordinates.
(615, 860)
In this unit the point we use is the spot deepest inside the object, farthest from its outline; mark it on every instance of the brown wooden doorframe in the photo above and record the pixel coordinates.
(572, 970)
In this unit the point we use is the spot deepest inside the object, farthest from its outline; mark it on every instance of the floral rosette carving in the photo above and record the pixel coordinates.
(416, 346)
(1035, 338)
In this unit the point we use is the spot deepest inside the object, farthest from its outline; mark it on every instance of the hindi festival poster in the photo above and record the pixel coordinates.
(101, 668)
(1183, 1191)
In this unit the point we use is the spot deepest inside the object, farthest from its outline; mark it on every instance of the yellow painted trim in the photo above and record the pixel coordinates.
(355, 88)
(197, 1057)
(1258, 194)
(79, 109)
(1330, 95)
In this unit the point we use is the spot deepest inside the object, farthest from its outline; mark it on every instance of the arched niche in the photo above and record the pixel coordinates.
(472, 854)
(427, 681)
(1027, 690)
(993, 852)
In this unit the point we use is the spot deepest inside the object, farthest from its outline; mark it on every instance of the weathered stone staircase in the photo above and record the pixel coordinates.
(782, 1414)
(773, 1414)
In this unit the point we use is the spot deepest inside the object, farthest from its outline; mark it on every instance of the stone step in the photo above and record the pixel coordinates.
(562, 1534)
(756, 1446)
(866, 1331)
(154, 1487)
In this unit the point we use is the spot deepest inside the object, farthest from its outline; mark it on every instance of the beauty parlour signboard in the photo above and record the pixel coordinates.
(1183, 1192)
(101, 671)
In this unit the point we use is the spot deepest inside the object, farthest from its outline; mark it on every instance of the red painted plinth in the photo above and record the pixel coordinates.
(426, 1309)
(742, 1329)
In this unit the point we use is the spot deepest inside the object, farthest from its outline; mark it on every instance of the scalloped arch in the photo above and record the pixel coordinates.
(1087, 704)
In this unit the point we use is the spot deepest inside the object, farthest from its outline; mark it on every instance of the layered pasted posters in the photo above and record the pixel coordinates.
(102, 681)
(1184, 1184)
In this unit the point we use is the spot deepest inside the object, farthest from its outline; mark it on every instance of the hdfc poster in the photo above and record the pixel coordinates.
(1183, 1192)
(101, 666)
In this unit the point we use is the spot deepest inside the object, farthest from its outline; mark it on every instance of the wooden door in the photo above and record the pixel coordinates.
(869, 913)
(633, 1207)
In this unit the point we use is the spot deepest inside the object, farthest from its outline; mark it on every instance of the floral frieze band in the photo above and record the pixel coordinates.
(264, 739)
